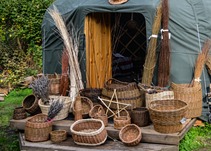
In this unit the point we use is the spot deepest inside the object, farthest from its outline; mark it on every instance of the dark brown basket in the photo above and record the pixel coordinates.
(140, 116)
(19, 113)
(30, 104)
(91, 93)
(37, 128)
(89, 132)
(58, 136)
(122, 120)
(19, 109)
(130, 135)
(166, 115)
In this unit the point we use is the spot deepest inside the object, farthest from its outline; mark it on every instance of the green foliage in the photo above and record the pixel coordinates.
(20, 38)
(196, 138)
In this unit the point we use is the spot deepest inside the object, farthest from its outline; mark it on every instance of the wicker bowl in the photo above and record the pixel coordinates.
(30, 104)
(58, 136)
(130, 135)
(89, 132)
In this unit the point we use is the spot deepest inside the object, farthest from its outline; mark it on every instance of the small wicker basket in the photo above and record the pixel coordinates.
(54, 86)
(58, 136)
(122, 120)
(95, 110)
(166, 115)
(19, 113)
(64, 111)
(140, 116)
(130, 135)
(30, 104)
(37, 128)
(88, 132)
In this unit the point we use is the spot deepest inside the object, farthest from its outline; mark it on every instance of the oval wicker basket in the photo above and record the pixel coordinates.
(64, 111)
(58, 136)
(30, 104)
(19, 113)
(89, 132)
(166, 115)
(37, 129)
(122, 120)
(191, 95)
(130, 135)
(140, 116)
(127, 93)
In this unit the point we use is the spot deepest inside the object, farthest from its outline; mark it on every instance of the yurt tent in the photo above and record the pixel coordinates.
(107, 31)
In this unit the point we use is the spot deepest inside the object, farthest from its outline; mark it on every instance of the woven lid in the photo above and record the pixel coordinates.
(116, 2)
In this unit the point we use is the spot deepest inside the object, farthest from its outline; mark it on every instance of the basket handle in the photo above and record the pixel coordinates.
(121, 111)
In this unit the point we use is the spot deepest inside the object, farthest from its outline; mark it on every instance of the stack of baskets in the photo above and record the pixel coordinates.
(167, 115)
(127, 93)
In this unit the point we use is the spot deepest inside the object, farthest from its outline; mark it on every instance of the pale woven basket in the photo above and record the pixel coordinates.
(64, 111)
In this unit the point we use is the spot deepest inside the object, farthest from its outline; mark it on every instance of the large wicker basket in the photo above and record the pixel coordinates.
(64, 111)
(58, 136)
(130, 135)
(37, 128)
(127, 93)
(167, 115)
(30, 104)
(140, 116)
(192, 95)
(122, 120)
(90, 132)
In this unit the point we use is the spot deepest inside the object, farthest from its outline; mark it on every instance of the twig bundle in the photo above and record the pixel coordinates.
(150, 60)
(164, 57)
(54, 109)
(200, 62)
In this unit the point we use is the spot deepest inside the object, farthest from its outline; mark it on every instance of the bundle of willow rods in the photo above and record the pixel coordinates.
(200, 62)
(164, 57)
(150, 60)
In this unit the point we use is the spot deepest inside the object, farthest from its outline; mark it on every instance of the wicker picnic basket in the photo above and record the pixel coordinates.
(30, 104)
(19, 113)
(57, 136)
(87, 105)
(54, 85)
(64, 111)
(91, 93)
(122, 120)
(130, 135)
(90, 132)
(37, 128)
(192, 95)
(167, 115)
(127, 93)
(140, 116)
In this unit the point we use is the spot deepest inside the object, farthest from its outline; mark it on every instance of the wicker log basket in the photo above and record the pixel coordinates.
(140, 116)
(65, 110)
(167, 115)
(19, 113)
(130, 135)
(88, 132)
(122, 119)
(127, 93)
(58, 136)
(191, 95)
(37, 128)
(30, 104)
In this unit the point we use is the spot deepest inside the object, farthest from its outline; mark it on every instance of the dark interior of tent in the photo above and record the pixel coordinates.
(128, 45)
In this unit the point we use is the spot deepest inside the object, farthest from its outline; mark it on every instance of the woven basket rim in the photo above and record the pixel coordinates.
(35, 101)
(55, 132)
(89, 133)
(167, 111)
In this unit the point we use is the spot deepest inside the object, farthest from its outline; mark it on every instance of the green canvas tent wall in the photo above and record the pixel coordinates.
(189, 23)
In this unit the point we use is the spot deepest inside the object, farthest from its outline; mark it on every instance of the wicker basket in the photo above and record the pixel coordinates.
(30, 104)
(122, 120)
(166, 115)
(95, 110)
(58, 136)
(90, 132)
(65, 110)
(130, 135)
(191, 95)
(91, 93)
(140, 116)
(54, 85)
(37, 129)
(19, 113)
(87, 105)
(127, 93)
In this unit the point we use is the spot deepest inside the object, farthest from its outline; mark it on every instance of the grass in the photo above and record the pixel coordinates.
(9, 136)
(197, 139)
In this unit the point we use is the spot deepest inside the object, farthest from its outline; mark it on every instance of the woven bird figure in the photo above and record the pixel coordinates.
(55, 108)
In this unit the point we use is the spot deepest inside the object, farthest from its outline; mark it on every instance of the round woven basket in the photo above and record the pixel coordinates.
(122, 120)
(58, 136)
(89, 132)
(166, 115)
(191, 95)
(130, 135)
(30, 104)
(37, 128)
(64, 111)
(140, 116)
(19, 113)
(91, 93)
